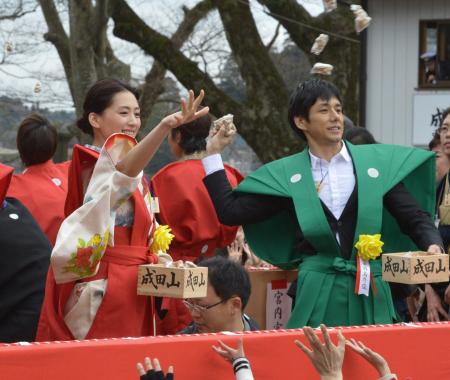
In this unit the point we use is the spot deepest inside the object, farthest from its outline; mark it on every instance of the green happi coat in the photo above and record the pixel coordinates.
(326, 281)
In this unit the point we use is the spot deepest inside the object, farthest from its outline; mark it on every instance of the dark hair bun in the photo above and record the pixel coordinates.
(37, 140)
(85, 126)
(193, 134)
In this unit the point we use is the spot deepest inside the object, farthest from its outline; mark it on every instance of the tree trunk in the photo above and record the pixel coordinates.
(341, 52)
(82, 53)
(58, 37)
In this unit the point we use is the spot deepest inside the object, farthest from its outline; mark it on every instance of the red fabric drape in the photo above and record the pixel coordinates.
(418, 351)
(5, 179)
(186, 207)
(42, 189)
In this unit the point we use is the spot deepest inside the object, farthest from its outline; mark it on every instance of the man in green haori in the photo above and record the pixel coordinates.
(308, 210)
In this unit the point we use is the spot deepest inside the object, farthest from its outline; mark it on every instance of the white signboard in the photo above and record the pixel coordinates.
(278, 305)
(427, 114)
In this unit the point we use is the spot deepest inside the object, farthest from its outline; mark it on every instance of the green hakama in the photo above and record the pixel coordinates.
(326, 281)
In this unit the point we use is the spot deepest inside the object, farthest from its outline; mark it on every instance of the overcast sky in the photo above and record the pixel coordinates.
(34, 60)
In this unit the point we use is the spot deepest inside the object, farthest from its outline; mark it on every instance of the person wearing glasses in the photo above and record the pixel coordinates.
(223, 307)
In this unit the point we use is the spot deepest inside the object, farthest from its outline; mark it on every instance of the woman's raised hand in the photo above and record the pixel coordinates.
(189, 111)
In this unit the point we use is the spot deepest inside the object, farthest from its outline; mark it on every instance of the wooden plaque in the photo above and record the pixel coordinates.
(415, 267)
(161, 281)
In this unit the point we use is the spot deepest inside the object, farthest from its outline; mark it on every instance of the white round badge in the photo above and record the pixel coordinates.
(57, 181)
(296, 177)
(14, 216)
(372, 172)
(204, 248)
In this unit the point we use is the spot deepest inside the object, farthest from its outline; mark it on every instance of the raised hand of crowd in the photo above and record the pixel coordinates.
(374, 358)
(153, 372)
(326, 358)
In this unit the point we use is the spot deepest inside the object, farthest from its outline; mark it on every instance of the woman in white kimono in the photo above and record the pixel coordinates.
(91, 286)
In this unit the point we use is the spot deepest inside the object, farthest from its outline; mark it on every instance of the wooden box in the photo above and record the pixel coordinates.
(159, 280)
(260, 278)
(415, 267)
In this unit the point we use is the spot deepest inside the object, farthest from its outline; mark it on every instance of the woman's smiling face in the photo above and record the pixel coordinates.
(122, 116)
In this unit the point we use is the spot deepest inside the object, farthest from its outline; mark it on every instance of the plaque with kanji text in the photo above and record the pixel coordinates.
(159, 280)
(415, 267)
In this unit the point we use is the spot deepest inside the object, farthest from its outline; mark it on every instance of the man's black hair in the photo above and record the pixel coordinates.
(435, 141)
(228, 278)
(444, 115)
(304, 97)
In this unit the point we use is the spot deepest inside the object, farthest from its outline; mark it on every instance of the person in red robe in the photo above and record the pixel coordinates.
(185, 206)
(91, 289)
(42, 187)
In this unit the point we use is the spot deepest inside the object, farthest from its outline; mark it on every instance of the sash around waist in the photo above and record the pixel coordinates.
(336, 265)
(128, 255)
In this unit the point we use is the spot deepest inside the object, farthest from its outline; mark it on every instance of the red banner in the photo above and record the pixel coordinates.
(418, 351)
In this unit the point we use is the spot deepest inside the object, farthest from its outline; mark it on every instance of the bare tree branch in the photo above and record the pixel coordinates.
(58, 37)
(19, 11)
(154, 80)
(274, 38)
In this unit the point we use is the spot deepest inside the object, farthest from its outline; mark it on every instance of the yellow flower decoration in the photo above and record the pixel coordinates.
(369, 246)
(96, 240)
(162, 239)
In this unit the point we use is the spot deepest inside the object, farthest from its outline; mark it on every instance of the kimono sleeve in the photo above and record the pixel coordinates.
(85, 234)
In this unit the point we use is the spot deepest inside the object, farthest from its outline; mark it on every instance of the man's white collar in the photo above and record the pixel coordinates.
(315, 161)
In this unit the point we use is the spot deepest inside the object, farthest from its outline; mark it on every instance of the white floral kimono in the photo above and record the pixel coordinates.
(86, 247)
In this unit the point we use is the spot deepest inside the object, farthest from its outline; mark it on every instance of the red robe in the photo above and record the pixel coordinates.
(186, 207)
(5, 180)
(122, 312)
(42, 188)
